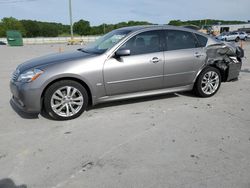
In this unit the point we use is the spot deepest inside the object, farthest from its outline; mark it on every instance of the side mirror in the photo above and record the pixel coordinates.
(123, 52)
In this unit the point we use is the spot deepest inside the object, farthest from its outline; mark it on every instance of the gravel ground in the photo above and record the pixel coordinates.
(174, 140)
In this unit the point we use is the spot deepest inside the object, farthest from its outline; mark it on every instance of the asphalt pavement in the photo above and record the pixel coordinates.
(174, 140)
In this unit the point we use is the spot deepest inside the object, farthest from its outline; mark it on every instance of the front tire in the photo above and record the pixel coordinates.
(65, 100)
(208, 82)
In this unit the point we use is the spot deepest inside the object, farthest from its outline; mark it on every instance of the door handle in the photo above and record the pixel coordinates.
(197, 54)
(155, 60)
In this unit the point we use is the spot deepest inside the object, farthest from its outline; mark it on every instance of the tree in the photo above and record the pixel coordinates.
(32, 28)
(2, 30)
(12, 24)
(82, 27)
(175, 22)
(202, 22)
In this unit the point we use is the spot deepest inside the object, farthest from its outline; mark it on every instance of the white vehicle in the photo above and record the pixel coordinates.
(233, 36)
(243, 35)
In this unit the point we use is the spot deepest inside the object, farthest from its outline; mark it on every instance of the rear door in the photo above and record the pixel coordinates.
(142, 70)
(184, 56)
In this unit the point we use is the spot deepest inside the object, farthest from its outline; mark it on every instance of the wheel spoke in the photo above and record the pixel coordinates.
(67, 110)
(77, 99)
(72, 109)
(60, 109)
(73, 92)
(211, 75)
(210, 88)
(207, 88)
(68, 91)
(55, 97)
(57, 105)
(214, 87)
(77, 103)
(60, 93)
(215, 79)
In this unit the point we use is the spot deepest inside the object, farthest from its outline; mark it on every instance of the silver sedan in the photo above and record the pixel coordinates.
(125, 63)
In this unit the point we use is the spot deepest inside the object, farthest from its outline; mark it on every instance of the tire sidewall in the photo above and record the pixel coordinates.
(198, 89)
(52, 89)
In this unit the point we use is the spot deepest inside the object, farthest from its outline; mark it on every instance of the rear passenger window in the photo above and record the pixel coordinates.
(202, 40)
(177, 40)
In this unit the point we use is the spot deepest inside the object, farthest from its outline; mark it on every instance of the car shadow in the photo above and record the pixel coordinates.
(122, 102)
(9, 183)
(106, 104)
(187, 94)
(23, 114)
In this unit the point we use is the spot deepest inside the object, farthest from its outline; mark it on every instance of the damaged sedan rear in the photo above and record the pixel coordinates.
(227, 57)
(125, 63)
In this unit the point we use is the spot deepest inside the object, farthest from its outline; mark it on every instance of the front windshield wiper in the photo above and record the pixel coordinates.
(89, 52)
(82, 50)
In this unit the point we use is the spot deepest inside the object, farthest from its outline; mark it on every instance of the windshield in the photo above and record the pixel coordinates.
(106, 42)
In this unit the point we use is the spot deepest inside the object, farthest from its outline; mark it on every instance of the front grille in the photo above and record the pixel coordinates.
(15, 75)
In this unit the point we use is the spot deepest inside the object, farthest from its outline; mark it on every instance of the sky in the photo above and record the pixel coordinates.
(114, 11)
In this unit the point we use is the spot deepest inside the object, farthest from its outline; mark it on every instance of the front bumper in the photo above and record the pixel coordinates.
(26, 98)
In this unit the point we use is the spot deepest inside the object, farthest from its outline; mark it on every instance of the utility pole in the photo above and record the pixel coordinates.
(71, 22)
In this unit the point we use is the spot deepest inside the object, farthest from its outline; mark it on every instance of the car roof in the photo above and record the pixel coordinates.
(143, 27)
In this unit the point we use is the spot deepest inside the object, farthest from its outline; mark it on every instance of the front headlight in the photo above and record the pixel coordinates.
(30, 75)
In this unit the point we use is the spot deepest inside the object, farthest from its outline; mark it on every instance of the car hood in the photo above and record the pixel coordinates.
(52, 59)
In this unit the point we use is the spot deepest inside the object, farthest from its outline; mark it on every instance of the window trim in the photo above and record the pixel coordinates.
(197, 43)
(161, 35)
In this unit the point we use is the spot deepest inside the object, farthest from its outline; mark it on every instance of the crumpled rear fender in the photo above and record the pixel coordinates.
(227, 58)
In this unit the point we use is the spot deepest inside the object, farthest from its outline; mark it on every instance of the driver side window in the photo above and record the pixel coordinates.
(143, 43)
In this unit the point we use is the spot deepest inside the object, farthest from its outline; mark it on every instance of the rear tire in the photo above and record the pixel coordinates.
(65, 100)
(208, 82)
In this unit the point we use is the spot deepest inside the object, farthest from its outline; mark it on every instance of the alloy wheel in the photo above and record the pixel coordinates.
(210, 82)
(67, 101)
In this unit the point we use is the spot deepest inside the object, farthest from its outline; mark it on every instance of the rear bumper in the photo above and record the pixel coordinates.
(25, 98)
(233, 70)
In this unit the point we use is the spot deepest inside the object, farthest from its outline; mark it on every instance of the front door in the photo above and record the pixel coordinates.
(142, 70)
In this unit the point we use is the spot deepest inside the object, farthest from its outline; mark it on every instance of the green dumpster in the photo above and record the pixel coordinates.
(14, 38)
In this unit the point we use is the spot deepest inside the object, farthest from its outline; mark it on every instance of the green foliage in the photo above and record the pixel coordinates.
(104, 28)
(31, 28)
(176, 23)
(44, 29)
(201, 23)
(81, 27)
(2, 30)
(11, 24)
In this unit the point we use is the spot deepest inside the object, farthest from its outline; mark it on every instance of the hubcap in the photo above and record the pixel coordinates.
(67, 101)
(210, 82)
